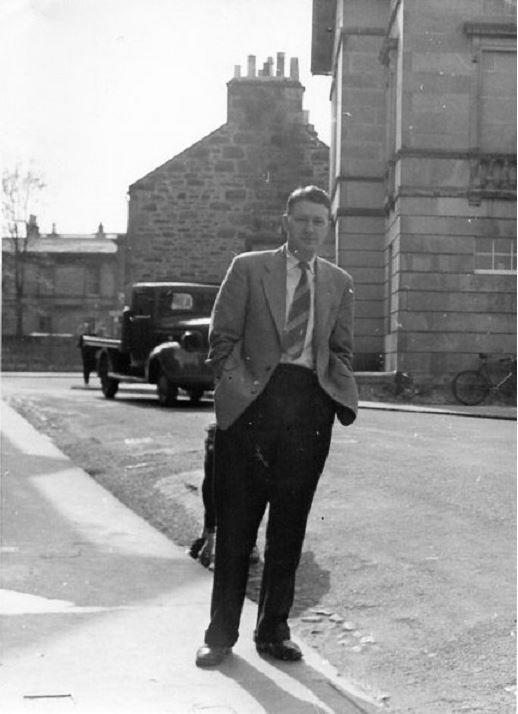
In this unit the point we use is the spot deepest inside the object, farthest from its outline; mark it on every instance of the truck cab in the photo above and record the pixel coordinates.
(164, 341)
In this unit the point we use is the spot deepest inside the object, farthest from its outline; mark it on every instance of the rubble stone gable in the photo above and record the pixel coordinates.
(227, 192)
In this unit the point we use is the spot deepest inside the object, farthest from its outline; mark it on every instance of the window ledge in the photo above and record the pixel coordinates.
(495, 272)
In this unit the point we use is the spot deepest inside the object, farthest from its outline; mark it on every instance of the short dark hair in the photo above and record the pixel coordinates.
(308, 193)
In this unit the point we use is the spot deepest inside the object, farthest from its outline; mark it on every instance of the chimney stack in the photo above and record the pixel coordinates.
(280, 95)
(32, 227)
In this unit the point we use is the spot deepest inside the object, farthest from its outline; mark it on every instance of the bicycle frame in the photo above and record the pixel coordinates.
(493, 385)
(472, 386)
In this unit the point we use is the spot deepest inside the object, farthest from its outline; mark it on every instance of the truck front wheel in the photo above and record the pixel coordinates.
(167, 392)
(109, 386)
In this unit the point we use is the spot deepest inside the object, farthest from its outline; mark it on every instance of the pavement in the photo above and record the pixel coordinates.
(102, 614)
(481, 411)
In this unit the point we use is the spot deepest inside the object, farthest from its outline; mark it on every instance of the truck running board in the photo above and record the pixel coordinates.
(127, 378)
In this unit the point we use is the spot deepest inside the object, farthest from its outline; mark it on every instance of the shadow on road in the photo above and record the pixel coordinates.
(275, 699)
(313, 582)
(145, 402)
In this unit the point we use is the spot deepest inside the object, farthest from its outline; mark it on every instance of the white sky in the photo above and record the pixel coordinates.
(96, 93)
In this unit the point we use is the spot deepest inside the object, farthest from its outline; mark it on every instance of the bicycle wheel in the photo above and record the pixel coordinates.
(470, 387)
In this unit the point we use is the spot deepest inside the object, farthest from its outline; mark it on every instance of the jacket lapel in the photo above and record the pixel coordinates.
(324, 298)
(274, 283)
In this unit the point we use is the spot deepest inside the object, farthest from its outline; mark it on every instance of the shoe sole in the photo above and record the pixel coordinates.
(214, 663)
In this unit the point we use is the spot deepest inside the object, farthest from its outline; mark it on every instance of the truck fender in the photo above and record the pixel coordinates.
(164, 357)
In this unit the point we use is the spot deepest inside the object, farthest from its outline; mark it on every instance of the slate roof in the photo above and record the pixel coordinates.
(67, 243)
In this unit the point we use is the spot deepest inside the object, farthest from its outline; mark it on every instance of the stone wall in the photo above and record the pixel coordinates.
(443, 312)
(423, 177)
(43, 353)
(451, 182)
(358, 166)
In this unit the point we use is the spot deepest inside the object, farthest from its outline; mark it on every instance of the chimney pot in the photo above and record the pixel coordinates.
(294, 68)
(280, 64)
(237, 71)
(251, 65)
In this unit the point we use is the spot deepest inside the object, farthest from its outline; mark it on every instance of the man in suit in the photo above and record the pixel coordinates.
(281, 342)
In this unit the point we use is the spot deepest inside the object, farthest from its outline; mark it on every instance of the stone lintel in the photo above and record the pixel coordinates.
(429, 153)
(367, 212)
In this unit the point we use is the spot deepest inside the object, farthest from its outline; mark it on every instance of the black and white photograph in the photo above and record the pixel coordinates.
(258, 357)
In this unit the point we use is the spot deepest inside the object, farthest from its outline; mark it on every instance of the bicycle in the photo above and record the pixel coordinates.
(472, 386)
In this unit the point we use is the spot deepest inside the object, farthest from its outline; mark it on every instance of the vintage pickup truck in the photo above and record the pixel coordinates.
(164, 341)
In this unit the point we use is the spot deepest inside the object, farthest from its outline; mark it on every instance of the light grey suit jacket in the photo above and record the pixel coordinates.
(246, 331)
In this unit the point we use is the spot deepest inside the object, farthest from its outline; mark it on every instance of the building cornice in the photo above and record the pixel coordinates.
(369, 178)
(429, 153)
(491, 29)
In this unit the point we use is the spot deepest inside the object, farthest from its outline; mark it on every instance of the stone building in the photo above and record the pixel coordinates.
(422, 175)
(226, 193)
(69, 279)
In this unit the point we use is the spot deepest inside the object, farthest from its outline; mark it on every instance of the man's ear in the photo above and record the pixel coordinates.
(284, 221)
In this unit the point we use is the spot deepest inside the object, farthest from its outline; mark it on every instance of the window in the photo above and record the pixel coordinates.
(497, 100)
(143, 302)
(495, 255)
(493, 91)
(44, 323)
(46, 280)
(181, 302)
(68, 280)
(92, 280)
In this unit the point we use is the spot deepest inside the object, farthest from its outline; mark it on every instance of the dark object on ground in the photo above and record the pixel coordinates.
(202, 548)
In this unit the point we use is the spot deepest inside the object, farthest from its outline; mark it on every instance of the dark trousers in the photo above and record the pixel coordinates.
(273, 454)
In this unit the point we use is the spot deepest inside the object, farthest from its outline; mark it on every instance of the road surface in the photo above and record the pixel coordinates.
(407, 580)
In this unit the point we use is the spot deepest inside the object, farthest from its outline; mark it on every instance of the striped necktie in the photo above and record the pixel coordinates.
(297, 323)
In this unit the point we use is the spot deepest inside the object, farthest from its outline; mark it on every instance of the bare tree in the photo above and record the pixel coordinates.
(20, 193)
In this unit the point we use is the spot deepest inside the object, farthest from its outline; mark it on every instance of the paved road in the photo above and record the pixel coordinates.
(410, 542)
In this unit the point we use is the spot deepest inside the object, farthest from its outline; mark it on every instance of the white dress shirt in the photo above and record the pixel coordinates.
(293, 271)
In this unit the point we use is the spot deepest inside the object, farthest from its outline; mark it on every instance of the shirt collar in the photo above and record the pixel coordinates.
(293, 261)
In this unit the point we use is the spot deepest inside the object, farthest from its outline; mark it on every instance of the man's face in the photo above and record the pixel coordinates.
(307, 226)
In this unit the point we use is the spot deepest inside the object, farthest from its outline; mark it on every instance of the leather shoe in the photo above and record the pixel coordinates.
(285, 650)
(208, 656)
